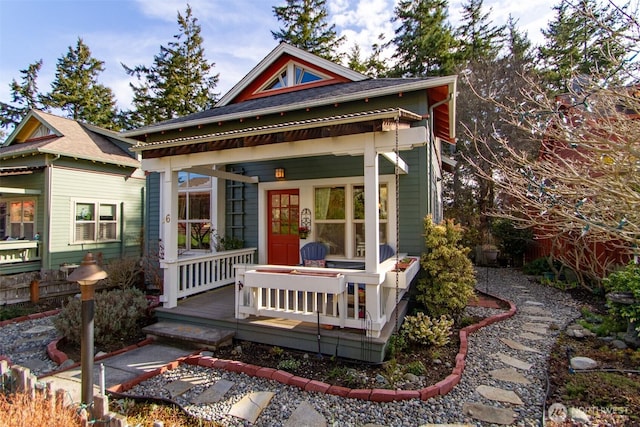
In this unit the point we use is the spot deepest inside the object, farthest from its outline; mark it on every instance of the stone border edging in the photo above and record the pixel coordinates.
(376, 394)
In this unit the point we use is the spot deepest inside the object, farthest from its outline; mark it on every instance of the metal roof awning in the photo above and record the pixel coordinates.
(344, 119)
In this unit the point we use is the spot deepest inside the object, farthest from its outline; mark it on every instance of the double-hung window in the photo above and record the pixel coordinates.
(194, 211)
(339, 218)
(95, 221)
(20, 221)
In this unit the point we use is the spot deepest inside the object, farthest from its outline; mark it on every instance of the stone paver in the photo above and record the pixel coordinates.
(530, 336)
(489, 414)
(182, 385)
(499, 394)
(251, 405)
(512, 361)
(537, 311)
(540, 318)
(39, 329)
(305, 415)
(509, 375)
(536, 328)
(518, 346)
(214, 393)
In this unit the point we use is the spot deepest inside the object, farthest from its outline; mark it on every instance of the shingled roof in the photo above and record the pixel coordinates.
(68, 138)
(305, 98)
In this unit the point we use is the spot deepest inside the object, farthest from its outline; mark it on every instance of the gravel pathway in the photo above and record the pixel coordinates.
(24, 343)
(533, 301)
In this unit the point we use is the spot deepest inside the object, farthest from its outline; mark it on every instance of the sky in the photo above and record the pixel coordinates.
(236, 33)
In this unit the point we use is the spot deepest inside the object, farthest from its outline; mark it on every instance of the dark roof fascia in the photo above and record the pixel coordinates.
(403, 85)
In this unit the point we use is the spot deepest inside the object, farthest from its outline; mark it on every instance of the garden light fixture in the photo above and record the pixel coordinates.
(87, 275)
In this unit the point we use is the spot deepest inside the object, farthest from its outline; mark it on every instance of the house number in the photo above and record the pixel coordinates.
(167, 219)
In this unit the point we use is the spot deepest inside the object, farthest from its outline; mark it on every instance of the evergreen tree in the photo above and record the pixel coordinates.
(584, 39)
(76, 90)
(478, 38)
(307, 27)
(24, 97)
(373, 66)
(179, 82)
(424, 40)
(490, 72)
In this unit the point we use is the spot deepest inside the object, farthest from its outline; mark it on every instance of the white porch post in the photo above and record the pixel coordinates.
(169, 221)
(371, 202)
(372, 225)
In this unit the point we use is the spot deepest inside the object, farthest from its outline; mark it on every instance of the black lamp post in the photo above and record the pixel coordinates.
(87, 275)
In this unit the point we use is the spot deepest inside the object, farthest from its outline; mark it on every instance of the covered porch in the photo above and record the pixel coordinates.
(340, 298)
(308, 331)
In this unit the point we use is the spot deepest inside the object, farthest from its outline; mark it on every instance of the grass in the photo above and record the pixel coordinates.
(20, 410)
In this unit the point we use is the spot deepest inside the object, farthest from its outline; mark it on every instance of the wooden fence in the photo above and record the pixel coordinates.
(18, 379)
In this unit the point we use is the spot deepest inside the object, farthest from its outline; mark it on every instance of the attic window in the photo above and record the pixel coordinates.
(40, 131)
(293, 75)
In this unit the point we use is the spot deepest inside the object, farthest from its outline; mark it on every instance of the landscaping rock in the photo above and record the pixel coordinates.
(581, 363)
(576, 330)
(620, 345)
(578, 416)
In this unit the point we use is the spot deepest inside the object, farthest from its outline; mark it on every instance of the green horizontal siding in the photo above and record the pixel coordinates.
(69, 185)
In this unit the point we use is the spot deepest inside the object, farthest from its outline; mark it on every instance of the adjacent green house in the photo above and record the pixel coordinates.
(67, 188)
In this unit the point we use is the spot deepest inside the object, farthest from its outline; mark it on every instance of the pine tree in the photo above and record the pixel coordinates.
(373, 66)
(478, 38)
(306, 26)
(76, 90)
(24, 97)
(424, 40)
(179, 82)
(584, 39)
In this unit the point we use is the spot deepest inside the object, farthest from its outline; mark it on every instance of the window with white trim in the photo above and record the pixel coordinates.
(95, 221)
(339, 212)
(293, 75)
(17, 219)
(194, 211)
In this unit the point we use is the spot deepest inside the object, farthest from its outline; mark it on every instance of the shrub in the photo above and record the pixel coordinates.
(289, 364)
(422, 329)
(396, 344)
(124, 273)
(449, 278)
(416, 368)
(117, 313)
(626, 280)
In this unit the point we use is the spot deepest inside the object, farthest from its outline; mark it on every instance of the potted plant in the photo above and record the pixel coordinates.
(303, 232)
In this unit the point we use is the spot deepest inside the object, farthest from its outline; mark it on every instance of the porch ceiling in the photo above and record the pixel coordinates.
(333, 126)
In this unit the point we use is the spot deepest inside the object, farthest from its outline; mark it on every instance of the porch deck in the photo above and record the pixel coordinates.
(215, 308)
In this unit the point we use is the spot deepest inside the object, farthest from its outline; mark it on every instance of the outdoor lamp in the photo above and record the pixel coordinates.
(87, 275)
(279, 173)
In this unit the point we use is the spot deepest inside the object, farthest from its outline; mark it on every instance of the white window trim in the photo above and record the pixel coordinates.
(96, 203)
(8, 221)
(290, 68)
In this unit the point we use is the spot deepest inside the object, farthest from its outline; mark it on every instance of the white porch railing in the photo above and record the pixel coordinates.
(12, 251)
(198, 273)
(336, 297)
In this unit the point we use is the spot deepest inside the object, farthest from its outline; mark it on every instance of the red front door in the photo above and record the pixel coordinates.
(283, 220)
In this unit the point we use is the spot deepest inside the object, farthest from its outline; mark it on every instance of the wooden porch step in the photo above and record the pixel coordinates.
(198, 336)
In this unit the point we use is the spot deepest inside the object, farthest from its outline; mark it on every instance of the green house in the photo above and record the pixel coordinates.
(67, 188)
(300, 150)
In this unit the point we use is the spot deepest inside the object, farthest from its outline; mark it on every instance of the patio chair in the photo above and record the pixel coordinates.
(386, 252)
(313, 254)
